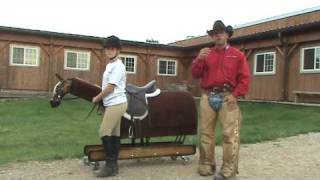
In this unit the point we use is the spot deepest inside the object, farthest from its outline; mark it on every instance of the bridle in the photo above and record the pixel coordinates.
(59, 93)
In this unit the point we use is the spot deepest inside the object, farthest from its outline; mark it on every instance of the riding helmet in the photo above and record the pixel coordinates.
(111, 42)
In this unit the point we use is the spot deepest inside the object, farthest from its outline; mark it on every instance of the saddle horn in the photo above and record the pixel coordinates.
(59, 77)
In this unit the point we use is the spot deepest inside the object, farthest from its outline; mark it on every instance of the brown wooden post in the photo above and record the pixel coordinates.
(48, 54)
(286, 54)
(242, 48)
(5, 83)
(53, 63)
(280, 51)
(248, 54)
(143, 60)
(102, 60)
(4, 46)
(286, 72)
(44, 49)
(102, 64)
(146, 65)
(50, 74)
(186, 62)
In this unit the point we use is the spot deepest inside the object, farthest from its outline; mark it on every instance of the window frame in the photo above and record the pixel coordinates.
(305, 71)
(76, 51)
(264, 63)
(167, 60)
(134, 62)
(37, 48)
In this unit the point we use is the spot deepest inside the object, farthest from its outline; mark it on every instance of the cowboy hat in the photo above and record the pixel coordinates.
(219, 26)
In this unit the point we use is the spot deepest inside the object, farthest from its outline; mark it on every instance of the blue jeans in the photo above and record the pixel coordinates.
(215, 101)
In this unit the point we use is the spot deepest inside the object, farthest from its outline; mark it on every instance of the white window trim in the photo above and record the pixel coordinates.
(134, 65)
(168, 60)
(274, 63)
(305, 71)
(76, 51)
(24, 47)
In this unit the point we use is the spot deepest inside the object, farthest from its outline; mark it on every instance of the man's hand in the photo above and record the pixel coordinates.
(203, 53)
(96, 99)
(230, 99)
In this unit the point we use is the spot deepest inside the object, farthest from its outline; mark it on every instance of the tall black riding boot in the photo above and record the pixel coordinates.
(116, 144)
(110, 168)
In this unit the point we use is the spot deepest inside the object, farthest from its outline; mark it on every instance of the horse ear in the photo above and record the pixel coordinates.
(59, 77)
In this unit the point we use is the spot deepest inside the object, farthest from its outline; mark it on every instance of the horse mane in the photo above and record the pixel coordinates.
(84, 89)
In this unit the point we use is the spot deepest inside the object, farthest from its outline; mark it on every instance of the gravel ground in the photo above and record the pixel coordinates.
(292, 158)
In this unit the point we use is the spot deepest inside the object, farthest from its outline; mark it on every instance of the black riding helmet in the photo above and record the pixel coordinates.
(111, 42)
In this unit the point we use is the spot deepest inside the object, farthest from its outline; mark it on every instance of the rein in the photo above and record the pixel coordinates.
(87, 116)
(75, 98)
(70, 99)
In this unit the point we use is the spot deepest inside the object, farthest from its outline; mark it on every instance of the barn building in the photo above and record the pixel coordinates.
(283, 53)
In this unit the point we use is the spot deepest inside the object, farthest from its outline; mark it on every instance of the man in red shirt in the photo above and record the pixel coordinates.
(224, 74)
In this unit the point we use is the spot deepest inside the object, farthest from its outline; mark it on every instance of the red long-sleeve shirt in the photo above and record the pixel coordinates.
(228, 65)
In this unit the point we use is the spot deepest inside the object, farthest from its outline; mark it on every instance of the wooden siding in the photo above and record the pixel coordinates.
(302, 81)
(262, 87)
(52, 53)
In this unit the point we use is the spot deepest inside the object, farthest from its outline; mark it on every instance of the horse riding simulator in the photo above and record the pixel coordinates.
(161, 116)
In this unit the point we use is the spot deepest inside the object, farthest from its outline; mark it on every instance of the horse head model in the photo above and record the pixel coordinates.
(137, 96)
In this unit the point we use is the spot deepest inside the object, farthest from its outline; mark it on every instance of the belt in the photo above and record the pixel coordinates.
(218, 90)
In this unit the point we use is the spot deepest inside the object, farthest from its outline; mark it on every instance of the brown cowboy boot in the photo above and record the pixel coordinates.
(219, 176)
(206, 169)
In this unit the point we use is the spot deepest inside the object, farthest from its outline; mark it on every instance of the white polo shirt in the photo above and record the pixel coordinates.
(115, 73)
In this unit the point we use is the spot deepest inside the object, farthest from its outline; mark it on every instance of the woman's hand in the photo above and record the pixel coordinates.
(96, 99)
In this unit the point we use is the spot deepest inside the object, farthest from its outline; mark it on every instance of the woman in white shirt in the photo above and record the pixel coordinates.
(115, 102)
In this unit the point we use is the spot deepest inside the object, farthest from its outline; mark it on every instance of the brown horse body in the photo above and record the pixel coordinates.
(170, 113)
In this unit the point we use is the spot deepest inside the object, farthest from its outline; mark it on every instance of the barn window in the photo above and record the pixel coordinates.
(167, 67)
(265, 63)
(24, 55)
(77, 60)
(130, 63)
(310, 59)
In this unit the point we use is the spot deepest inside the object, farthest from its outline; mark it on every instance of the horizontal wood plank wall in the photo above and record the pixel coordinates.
(263, 87)
(266, 87)
(139, 78)
(4, 64)
(302, 81)
(147, 62)
(27, 78)
(43, 78)
(93, 75)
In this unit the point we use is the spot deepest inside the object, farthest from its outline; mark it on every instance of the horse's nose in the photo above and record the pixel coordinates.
(54, 103)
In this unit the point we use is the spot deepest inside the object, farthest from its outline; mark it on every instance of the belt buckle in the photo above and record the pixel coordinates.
(226, 87)
(214, 91)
